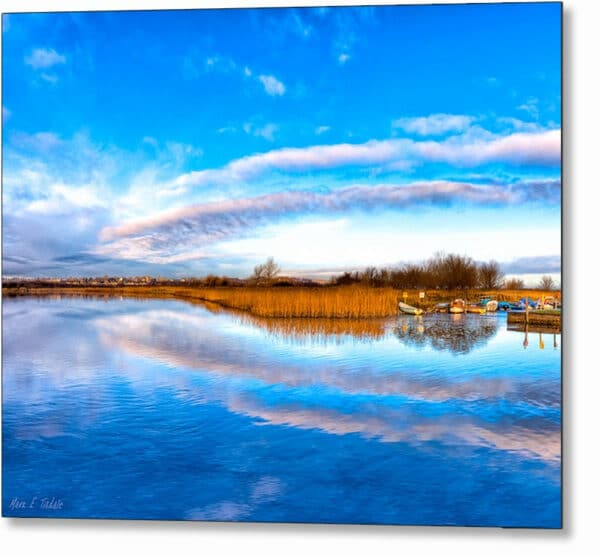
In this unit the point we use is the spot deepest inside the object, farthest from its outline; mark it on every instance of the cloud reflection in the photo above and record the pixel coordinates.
(210, 343)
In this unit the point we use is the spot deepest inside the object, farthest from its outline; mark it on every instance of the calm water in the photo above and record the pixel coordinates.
(162, 409)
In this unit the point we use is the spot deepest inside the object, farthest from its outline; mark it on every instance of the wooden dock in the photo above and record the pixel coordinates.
(546, 319)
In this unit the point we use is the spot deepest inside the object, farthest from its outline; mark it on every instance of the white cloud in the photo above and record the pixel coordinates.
(220, 63)
(531, 107)
(151, 141)
(266, 131)
(224, 64)
(175, 232)
(434, 124)
(519, 124)
(38, 142)
(43, 58)
(180, 152)
(171, 152)
(296, 24)
(6, 113)
(50, 78)
(63, 198)
(322, 129)
(272, 85)
(539, 148)
(343, 58)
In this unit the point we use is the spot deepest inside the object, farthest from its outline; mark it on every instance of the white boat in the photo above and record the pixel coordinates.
(411, 310)
(492, 306)
(457, 306)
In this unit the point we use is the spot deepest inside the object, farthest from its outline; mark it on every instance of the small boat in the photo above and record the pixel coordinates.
(411, 310)
(457, 306)
(546, 303)
(442, 307)
(504, 306)
(474, 309)
(483, 301)
(491, 306)
(525, 301)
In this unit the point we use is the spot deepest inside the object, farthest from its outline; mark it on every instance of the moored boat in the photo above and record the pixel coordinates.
(483, 301)
(457, 306)
(491, 306)
(474, 309)
(546, 303)
(411, 310)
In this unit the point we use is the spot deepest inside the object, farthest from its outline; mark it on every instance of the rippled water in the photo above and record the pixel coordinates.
(162, 409)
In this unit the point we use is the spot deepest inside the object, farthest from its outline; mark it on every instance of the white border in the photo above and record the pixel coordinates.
(581, 367)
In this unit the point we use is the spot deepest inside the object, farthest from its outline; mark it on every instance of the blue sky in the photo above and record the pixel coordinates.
(195, 142)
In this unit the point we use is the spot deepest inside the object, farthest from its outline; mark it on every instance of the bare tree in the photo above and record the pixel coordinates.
(514, 284)
(267, 271)
(490, 275)
(546, 283)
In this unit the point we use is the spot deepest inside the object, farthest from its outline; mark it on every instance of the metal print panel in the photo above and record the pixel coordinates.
(283, 265)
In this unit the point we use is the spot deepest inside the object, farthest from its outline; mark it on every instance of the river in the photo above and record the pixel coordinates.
(153, 409)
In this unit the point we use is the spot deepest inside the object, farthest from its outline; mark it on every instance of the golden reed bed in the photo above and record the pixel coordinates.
(347, 302)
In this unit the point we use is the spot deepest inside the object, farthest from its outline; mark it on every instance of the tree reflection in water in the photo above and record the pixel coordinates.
(458, 333)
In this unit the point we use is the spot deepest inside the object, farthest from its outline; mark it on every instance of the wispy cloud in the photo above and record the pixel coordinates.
(63, 199)
(45, 62)
(172, 153)
(6, 113)
(434, 124)
(343, 58)
(519, 125)
(228, 66)
(266, 131)
(541, 148)
(41, 142)
(322, 129)
(298, 25)
(221, 63)
(44, 58)
(177, 231)
(272, 85)
(533, 264)
(531, 106)
(349, 23)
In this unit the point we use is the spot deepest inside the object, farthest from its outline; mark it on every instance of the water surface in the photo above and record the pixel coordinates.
(122, 408)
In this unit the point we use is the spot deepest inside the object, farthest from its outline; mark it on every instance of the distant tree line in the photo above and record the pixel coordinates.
(443, 271)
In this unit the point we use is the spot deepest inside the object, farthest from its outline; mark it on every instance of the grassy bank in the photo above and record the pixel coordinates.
(347, 302)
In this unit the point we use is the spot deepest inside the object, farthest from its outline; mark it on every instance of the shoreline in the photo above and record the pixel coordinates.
(327, 302)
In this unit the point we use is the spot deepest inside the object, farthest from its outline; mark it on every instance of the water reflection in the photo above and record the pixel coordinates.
(459, 333)
(538, 332)
(318, 330)
(192, 340)
(279, 420)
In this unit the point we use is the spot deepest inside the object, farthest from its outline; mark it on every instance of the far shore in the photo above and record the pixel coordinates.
(337, 302)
